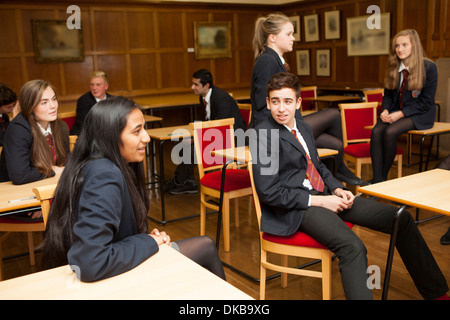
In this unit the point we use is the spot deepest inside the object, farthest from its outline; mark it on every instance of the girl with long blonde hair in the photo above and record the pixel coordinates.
(408, 101)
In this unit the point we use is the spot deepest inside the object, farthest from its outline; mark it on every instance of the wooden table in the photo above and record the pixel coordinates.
(183, 100)
(333, 99)
(427, 190)
(437, 129)
(16, 198)
(162, 135)
(168, 275)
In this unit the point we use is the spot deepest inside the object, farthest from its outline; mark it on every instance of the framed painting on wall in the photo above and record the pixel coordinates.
(365, 39)
(303, 68)
(323, 62)
(54, 42)
(312, 28)
(332, 25)
(212, 40)
(296, 23)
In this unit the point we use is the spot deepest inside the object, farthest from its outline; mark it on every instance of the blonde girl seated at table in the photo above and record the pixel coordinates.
(98, 217)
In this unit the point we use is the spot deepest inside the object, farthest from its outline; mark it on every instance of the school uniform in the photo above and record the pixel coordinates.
(16, 163)
(285, 206)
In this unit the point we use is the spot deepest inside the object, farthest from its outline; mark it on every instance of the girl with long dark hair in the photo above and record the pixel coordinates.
(98, 218)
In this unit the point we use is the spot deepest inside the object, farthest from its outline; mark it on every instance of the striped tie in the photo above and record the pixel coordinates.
(403, 87)
(311, 171)
(49, 138)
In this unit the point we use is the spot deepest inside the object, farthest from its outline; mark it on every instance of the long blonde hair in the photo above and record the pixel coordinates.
(29, 97)
(264, 26)
(416, 66)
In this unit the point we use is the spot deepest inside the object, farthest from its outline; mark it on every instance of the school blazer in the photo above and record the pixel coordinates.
(16, 162)
(267, 64)
(223, 106)
(283, 197)
(106, 239)
(420, 105)
(84, 105)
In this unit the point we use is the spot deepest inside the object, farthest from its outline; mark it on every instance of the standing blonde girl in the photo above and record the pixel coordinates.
(272, 39)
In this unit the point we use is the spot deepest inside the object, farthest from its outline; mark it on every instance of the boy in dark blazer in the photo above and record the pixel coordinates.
(289, 201)
(216, 104)
(98, 85)
(8, 101)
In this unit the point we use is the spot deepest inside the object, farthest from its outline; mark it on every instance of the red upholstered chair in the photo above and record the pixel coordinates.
(8, 225)
(297, 245)
(308, 92)
(375, 95)
(69, 118)
(357, 121)
(246, 112)
(218, 135)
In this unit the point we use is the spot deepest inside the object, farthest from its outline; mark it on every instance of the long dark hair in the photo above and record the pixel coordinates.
(29, 97)
(99, 138)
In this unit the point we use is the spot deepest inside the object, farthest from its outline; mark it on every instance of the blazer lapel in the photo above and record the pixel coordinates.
(287, 136)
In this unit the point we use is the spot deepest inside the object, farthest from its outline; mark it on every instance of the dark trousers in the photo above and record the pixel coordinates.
(329, 229)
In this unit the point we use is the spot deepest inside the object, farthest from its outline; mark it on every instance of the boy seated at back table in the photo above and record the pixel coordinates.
(297, 192)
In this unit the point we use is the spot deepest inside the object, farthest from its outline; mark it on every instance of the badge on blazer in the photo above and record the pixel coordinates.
(415, 93)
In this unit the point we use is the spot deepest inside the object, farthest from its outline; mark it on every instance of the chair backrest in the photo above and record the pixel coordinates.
(375, 95)
(356, 117)
(209, 136)
(308, 92)
(246, 112)
(45, 195)
(72, 140)
(255, 196)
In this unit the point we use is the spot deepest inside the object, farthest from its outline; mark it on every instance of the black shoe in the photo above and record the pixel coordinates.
(445, 239)
(170, 185)
(188, 187)
(352, 181)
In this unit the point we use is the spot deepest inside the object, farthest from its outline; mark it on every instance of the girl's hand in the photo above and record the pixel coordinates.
(160, 237)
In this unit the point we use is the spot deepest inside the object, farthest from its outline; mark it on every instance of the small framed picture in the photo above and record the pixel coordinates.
(332, 25)
(323, 62)
(312, 28)
(303, 68)
(296, 23)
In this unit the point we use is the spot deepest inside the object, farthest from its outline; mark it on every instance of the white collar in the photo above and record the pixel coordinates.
(45, 131)
(402, 67)
(208, 95)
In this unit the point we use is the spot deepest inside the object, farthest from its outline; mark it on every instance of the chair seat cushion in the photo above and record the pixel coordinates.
(299, 239)
(362, 150)
(235, 179)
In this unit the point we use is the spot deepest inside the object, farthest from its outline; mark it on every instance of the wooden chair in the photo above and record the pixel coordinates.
(210, 135)
(357, 121)
(308, 92)
(375, 95)
(297, 245)
(45, 195)
(9, 225)
(72, 140)
(246, 112)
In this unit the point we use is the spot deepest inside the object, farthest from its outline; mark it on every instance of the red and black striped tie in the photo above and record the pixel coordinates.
(311, 171)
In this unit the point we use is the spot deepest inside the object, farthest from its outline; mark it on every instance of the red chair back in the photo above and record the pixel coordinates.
(214, 138)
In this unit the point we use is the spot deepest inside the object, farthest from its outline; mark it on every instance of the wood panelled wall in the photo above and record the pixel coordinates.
(430, 18)
(143, 46)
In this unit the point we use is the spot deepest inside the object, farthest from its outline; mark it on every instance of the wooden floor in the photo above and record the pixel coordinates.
(244, 252)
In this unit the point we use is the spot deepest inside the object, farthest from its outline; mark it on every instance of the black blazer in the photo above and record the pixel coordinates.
(84, 104)
(223, 106)
(268, 64)
(279, 182)
(106, 239)
(420, 106)
(6, 123)
(16, 160)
